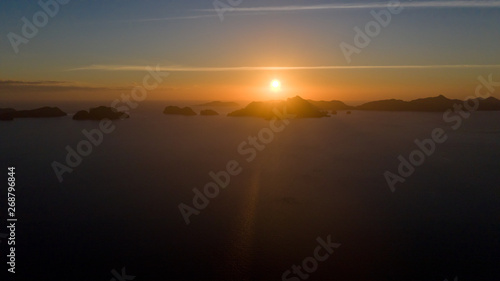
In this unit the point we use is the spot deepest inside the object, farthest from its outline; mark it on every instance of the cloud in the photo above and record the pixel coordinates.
(28, 83)
(45, 86)
(273, 68)
(212, 13)
(172, 18)
(374, 5)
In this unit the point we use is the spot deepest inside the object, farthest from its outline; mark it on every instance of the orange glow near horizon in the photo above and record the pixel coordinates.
(276, 87)
(351, 86)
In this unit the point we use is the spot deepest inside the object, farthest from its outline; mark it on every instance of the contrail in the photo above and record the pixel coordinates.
(375, 5)
(326, 7)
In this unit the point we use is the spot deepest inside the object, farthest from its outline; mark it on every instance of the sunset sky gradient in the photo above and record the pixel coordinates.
(97, 49)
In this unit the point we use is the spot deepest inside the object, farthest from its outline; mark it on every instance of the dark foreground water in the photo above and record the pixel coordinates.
(316, 178)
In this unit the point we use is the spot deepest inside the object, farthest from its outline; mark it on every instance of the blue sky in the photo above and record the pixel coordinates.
(86, 40)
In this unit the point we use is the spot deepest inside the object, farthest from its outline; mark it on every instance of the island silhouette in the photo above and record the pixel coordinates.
(175, 110)
(99, 113)
(297, 106)
(309, 108)
(43, 112)
(209, 112)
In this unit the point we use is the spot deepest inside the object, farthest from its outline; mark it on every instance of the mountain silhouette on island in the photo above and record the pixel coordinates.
(175, 110)
(209, 112)
(432, 104)
(489, 104)
(100, 113)
(295, 106)
(334, 105)
(310, 108)
(43, 112)
(4, 116)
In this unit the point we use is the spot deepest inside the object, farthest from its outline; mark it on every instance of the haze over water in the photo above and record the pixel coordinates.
(318, 177)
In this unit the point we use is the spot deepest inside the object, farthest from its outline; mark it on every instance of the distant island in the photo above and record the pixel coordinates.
(100, 113)
(295, 106)
(7, 114)
(209, 112)
(219, 104)
(4, 114)
(333, 105)
(315, 109)
(433, 104)
(175, 110)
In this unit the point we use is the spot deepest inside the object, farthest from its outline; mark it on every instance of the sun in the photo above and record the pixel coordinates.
(275, 85)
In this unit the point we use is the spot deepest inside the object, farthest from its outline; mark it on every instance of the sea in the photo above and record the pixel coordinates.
(307, 185)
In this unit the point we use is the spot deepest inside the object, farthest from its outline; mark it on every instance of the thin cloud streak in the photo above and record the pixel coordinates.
(21, 83)
(172, 18)
(273, 68)
(414, 4)
(212, 14)
(298, 8)
(7, 86)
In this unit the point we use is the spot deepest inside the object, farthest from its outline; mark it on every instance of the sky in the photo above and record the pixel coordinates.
(99, 49)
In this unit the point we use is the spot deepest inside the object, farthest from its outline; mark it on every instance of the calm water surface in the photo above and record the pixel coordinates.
(318, 177)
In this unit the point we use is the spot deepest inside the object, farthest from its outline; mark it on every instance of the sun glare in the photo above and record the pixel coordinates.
(275, 85)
